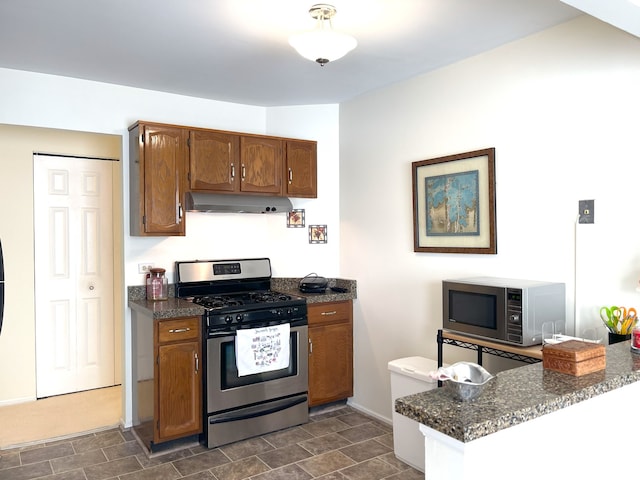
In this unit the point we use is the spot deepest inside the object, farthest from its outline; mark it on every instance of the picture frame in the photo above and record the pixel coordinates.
(295, 219)
(454, 203)
(317, 234)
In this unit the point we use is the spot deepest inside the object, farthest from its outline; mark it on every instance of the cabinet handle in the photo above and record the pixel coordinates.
(290, 175)
(333, 312)
(179, 330)
(310, 347)
(233, 171)
(244, 171)
(197, 362)
(178, 203)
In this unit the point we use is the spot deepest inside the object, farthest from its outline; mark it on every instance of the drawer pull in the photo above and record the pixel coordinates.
(179, 330)
(333, 312)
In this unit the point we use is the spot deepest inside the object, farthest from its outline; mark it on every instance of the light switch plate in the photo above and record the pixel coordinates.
(585, 211)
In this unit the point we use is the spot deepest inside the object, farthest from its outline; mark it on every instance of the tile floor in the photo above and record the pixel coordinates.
(340, 444)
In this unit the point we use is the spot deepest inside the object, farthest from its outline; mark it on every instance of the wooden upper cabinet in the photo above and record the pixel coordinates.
(158, 164)
(301, 179)
(166, 161)
(214, 164)
(261, 165)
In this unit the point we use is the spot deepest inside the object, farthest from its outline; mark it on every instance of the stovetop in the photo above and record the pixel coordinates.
(236, 293)
(249, 309)
(253, 299)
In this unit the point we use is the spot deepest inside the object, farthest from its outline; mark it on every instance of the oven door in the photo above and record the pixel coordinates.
(226, 390)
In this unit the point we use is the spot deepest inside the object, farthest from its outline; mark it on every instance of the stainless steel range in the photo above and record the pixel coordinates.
(256, 345)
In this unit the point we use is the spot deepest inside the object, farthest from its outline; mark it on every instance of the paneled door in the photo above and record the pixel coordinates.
(74, 274)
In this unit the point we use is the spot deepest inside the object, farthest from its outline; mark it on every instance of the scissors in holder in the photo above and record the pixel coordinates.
(618, 319)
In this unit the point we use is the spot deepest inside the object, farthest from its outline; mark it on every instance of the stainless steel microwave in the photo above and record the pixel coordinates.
(503, 309)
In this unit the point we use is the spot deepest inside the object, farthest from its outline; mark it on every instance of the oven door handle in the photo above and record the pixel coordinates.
(232, 333)
(282, 405)
(221, 334)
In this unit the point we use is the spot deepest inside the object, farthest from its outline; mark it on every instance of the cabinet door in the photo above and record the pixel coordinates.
(213, 161)
(330, 352)
(261, 165)
(164, 169)
(179, 404)
(301, 169)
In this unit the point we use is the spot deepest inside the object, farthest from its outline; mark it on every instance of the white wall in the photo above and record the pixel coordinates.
(63, 103)
(561, 108)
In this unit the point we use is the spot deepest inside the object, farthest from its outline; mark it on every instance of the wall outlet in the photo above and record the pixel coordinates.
(144, 268)
(585, 211)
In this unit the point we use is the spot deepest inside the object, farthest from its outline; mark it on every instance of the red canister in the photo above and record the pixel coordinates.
(635, 339)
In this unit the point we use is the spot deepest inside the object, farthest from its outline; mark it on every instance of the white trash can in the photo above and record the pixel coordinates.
(408, 376)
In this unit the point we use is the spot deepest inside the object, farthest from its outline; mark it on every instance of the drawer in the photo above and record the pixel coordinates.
(179, 329)
(320, 313)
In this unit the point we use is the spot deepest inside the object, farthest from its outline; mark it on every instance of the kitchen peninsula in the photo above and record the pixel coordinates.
(534, 423)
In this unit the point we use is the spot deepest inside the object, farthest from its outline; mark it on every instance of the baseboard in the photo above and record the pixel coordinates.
(16, 401)
(61, 437)
(368, 412)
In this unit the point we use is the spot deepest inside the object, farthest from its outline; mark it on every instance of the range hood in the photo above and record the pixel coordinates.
(211, 202)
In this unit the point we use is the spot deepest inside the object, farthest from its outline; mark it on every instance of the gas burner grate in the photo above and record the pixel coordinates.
(218, 301)
(269, 297)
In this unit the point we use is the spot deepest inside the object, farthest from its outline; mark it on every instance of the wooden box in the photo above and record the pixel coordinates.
(574, 357)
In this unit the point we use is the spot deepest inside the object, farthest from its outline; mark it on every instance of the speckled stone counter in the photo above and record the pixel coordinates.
(162, 309)
(290, 285)
(176, 308)
(517, 396)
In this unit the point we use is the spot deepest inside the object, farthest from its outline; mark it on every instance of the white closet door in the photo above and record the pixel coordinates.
(74, 274)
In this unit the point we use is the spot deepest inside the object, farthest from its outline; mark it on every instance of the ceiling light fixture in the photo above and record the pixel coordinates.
(323, 44)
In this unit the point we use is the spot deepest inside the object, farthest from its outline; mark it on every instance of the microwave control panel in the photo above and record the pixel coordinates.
(514, 315)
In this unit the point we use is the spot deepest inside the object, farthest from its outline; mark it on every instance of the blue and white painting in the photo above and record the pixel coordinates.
(452, 204)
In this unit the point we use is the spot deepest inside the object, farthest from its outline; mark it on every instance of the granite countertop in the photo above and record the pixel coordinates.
(518, 395)
(176, 307)
(290, 285)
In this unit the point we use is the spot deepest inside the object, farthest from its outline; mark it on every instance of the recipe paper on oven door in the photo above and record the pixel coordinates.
(263, 349)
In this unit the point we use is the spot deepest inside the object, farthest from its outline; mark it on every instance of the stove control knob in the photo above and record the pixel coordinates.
(239, 317)
(228, 319)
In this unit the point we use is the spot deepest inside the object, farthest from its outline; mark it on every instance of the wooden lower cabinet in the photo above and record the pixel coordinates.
(177, 379)
(330, 352)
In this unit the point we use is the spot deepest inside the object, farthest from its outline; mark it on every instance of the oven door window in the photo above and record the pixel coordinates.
(229, 372)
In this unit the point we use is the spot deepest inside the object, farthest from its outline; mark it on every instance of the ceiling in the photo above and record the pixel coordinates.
(238, 51)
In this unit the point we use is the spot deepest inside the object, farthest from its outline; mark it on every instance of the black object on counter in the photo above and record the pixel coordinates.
(312, 283)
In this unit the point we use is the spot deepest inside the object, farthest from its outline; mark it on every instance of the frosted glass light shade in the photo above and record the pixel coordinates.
(323, 45)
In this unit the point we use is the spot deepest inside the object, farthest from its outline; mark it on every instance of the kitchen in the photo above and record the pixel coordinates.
(559, 106)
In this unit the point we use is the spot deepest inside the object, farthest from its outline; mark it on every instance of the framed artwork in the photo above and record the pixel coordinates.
(454, 203)
(295, 219)
(317, 234)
